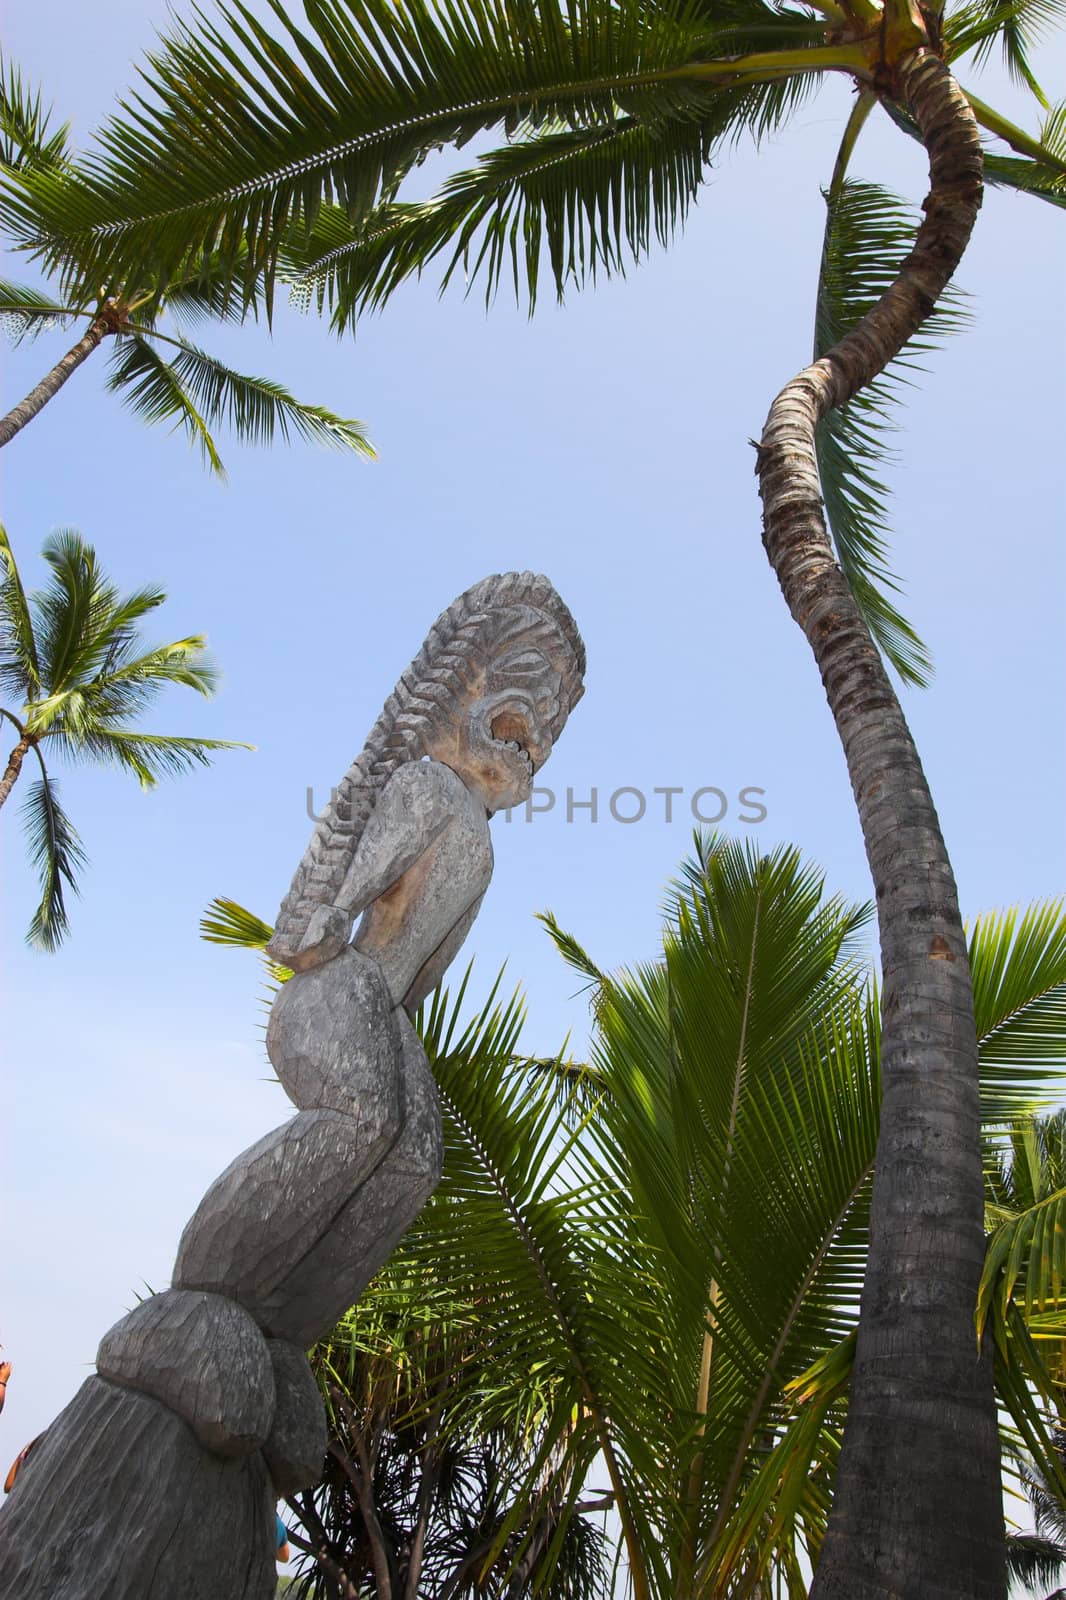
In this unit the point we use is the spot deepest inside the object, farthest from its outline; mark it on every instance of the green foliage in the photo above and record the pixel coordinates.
(26, 140)
(75, 665)
(193, 389)
(57, 854)
(338, 113)
(658, 1254)
(1016, 25)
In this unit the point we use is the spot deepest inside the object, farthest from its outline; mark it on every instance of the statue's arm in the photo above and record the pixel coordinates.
(415, 807)
(412, 810)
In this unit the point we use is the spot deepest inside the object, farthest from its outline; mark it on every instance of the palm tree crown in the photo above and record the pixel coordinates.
(77, 675)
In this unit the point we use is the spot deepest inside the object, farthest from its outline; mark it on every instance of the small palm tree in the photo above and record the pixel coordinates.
(79, 674)
(190, 388)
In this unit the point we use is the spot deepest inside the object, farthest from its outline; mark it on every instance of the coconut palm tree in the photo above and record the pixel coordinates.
(670, 1238)
(77, 675)
(191, 389)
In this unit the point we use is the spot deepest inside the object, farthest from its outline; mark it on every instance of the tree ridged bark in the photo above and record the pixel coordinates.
(918, 1509)
(53, 381)
(14, 766)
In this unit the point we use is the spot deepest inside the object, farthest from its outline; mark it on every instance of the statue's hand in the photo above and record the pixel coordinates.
(328, 932)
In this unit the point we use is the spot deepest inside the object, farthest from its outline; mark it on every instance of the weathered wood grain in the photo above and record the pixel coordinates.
(204, 1357)
(295, 1450)
(119, 1502)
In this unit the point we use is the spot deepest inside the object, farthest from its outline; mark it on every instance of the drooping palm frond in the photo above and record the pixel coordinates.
(340, 110)
(868, 232)
(56, 852)
(20, 671)
(197, 392)
(154, 392)
(26, 142)
(1035, 1561)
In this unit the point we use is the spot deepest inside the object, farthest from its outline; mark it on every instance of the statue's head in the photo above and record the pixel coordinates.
(488, 695)
(522, 675)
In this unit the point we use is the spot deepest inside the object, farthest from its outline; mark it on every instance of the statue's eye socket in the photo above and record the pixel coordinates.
(522, 664)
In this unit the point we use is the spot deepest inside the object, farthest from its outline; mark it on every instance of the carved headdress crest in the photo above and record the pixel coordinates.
(426, 697)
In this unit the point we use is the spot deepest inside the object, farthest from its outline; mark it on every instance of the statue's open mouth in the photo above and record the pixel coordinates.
(512, 733)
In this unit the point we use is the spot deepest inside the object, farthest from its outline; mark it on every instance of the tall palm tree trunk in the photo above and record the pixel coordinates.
(53, 381)
(918, 1508)
(14, 767)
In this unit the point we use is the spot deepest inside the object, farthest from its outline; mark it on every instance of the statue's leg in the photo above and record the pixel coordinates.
(335, 1041)
(333, 1274)
(118, 1501)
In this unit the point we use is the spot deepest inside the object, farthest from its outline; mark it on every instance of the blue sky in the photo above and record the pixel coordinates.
(605, 444)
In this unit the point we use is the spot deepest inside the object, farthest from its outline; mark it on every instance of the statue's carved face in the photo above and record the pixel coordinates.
(503, 734)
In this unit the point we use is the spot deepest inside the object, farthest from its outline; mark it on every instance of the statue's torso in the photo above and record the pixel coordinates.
(407, 925)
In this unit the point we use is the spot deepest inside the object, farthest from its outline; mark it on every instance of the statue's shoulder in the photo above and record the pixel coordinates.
(426, 783)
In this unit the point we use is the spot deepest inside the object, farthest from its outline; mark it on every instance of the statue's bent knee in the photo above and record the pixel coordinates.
(204, 1357)
(334, 1043)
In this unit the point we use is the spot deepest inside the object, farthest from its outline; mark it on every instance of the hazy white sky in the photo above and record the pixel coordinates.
(605, 444)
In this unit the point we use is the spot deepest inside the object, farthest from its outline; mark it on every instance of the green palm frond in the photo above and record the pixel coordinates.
(526, 1220)
(147, 756)
(258, 409)
(198, 392)
(204, 292)
(1018, 961)
(587, 199)
(868, 232)
(228, 922)
(1017, 25)
(20, 670)
(26, 312)
(82, 626)
(1043, 173)
(26, 141)
(340, 110)
(586, 202)
(573, 953)
(73, 653)
(153, 390)
(57, 854)
(71, 616)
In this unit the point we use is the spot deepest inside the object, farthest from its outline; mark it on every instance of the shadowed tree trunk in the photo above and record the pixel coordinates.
(917, 1510)
(50, 385)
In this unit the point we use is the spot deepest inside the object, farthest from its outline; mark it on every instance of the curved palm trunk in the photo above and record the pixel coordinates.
(53, 381)
(14, 767)
(918, 1509)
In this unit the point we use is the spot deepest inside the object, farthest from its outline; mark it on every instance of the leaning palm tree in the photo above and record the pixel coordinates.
(670, 1238)
(79, 675)
(157, 369)
(612, 111)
